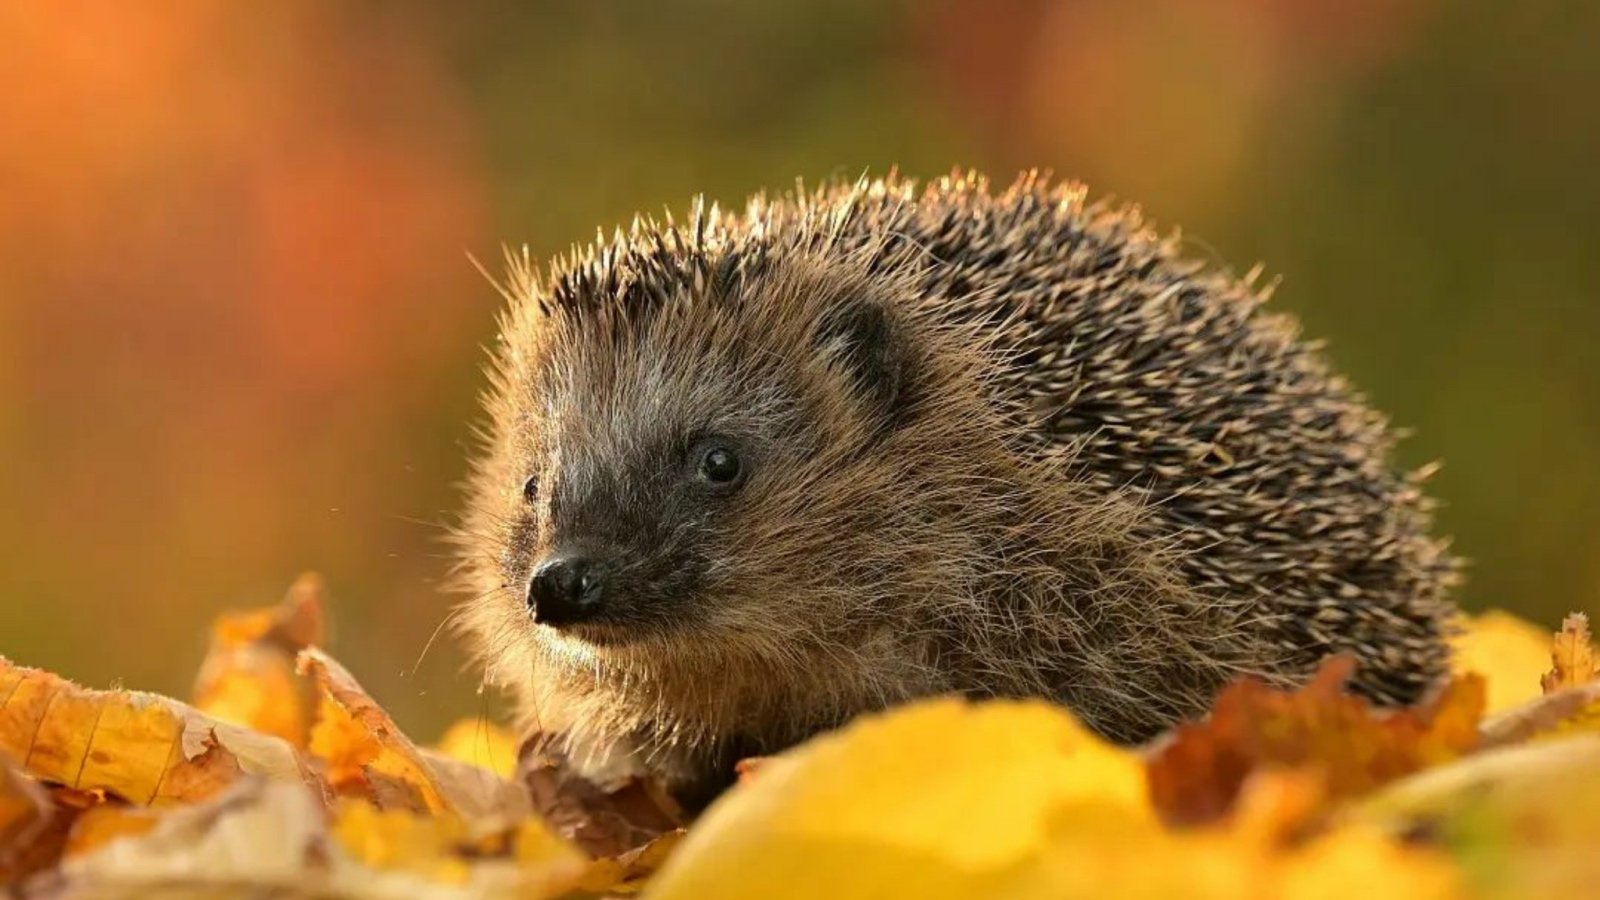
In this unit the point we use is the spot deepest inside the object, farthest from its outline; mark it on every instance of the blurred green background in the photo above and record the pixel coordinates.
(239, 332)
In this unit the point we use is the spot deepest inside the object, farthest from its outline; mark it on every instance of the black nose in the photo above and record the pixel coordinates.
(565, 589)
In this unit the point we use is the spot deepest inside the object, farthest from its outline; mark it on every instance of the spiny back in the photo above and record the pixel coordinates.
(1140, 371)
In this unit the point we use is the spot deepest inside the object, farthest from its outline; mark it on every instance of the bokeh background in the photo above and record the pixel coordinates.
(239, 330)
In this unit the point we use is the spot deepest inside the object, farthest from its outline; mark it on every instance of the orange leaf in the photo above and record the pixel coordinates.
(249, 678)
(1196, 778)
(748, 767)
(367, 754)
(1572, 657)
(142, 748)
(99, 825)
(368, 757)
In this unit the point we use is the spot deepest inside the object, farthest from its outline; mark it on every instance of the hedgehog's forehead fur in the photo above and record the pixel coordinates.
(745, 352)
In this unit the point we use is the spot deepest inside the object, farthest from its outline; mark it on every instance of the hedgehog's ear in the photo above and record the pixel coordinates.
(858, 338)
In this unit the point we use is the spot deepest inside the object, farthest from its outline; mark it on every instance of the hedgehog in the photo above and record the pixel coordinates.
(749, 476)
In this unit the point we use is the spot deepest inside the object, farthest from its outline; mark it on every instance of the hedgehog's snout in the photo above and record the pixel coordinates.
(567, 588)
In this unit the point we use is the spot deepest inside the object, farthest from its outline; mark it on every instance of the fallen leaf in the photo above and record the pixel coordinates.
(627, 873)
(1196, 776)
(105, 822)
(939, 799)
(747, 768)
(1511, 653)
(1521, 818)
(272, 837)
(1279, 807)
(527, 858)
(248, 677)
(370, 758)
(605, 820)
(480, 743)
(1572, 656)
(1566, 711)
(31, 836)
(476, 794)
(143, 748)
(263, 834)
(366, 753)
(1352, 861)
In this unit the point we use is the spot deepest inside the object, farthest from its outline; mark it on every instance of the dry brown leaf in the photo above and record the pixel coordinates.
(142, 748)
(476, 794)
(31, 835)
(1572, 656)
(1196, 777)
(249, 678)
(605, 820)
(1566, 711)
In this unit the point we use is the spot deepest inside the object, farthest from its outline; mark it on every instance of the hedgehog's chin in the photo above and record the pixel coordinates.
(596, 637)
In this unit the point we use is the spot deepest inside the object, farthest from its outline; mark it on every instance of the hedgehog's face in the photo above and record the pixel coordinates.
(718, 475)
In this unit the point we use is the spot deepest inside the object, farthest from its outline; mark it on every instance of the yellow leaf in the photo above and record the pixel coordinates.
(394, 839)
(480, 743)
(142, 748)
(1353, 862)
(1511, 653)
(440, 849)
(939, 799)
(1572, 656)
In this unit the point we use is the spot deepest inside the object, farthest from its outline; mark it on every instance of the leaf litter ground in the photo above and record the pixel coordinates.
(283, 777)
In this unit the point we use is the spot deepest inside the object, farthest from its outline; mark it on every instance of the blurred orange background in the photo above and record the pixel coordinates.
(239, 329)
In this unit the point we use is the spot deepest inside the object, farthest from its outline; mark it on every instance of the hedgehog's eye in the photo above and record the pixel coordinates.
(719, 465)
(530, 488)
